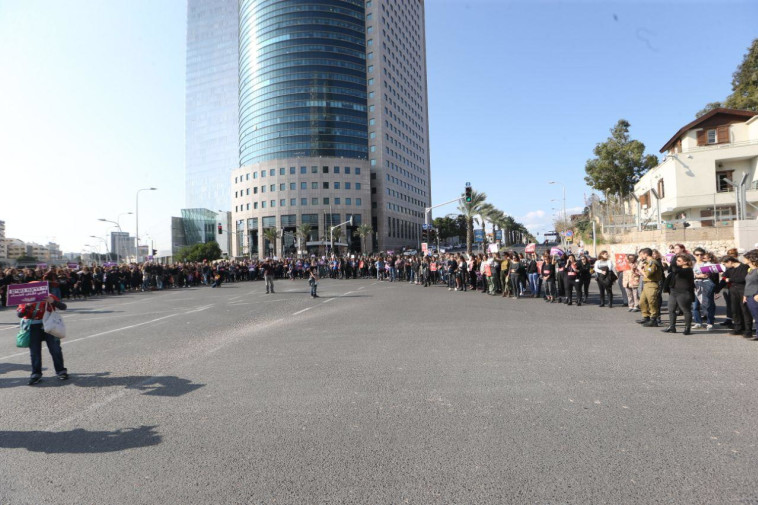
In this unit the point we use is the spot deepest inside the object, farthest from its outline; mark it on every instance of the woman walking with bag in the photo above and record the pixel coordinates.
(32, 314)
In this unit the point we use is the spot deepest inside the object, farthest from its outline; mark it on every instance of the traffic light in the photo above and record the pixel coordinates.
(155, 252)
(424, 235)
(220, 229)
(468, 194)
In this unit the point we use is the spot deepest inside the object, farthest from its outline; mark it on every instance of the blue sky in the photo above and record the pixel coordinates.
(92, 101)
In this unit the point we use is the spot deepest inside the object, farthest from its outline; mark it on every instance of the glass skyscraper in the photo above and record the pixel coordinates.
(211, 130)
(331, 120)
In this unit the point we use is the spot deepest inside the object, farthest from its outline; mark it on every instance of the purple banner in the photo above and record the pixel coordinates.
(556, 251)
(27, 293)
(110, 264)
(72, 266)
(42, 265)
(709, 269)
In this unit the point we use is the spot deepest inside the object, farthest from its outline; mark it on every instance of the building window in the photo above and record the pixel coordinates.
(247, 191)
(314, 170)
(248, 206)
(303, 202)
(292, 170)
(325, 185)
(272, 188)
(325, 169)
(263, 205)
(326, 201)
(282, 187)
(314, 185)
(358, 202)
(721, 185)
(711, 136)
(263, 189)
(314, 201)
(273, 203)
(357, 186)
(357, 170)
(373, 163)
(336, 170)
(263, 173)
(336, 201)
(272, 172)
(281, 171)
(293, 202)
(303, 185)
(255, 175)
(347, 170)
(282, 202)
(303, 170)
(348, 201)
(293, 187)
(336, 185)
(255, 205)
(347, 185)
(255, 190)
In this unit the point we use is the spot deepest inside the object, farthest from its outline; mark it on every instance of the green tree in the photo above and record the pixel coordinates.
(745, 82)
(271, 235)
(744, 85)
(303, 233)
(208, 251)
(27, 259)
(364, 231)
(619, 163)
(446, 226)
(469, 210)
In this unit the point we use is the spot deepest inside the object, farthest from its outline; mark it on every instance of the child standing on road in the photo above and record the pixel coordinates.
(313, 281)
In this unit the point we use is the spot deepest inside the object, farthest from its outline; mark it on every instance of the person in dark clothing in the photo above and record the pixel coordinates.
(585, 277)
(734, 276)
(571, 279)
(33, 313)
(548, 278)
(681, 287)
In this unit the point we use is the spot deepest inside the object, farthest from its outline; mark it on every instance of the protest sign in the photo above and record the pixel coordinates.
(530, 248)
(621, 263)
(556, 251)
(27, 293)
(709, 268)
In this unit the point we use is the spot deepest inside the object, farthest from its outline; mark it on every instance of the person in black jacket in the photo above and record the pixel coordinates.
(585, 277)
(680, 284)
(734, 277)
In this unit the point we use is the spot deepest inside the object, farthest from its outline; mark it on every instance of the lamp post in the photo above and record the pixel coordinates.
(107, 250)
(563, 237)
(117, 222)
(136, 208)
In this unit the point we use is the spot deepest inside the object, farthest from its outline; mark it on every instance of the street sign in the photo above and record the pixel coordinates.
(498, 234)
(478, 235)
(424, 247)
(468, 184)
(569, 233)
(426, 226)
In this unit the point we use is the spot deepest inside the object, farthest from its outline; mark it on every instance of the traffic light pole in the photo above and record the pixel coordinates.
(427, 210)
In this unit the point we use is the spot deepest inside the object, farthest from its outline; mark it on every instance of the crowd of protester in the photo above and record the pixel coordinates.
(555, 278)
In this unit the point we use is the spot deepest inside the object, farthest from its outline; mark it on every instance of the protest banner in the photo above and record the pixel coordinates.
(621, 263)
(72, 266)
(530, 248)
(556, 251)
(709, 268)
(27, 293)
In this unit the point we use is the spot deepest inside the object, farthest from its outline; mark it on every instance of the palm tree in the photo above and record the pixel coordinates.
(486, 211)
(364, 231)
(495, 217)
(303, 234)
(336, 235)
(469, 210)
(271, 235)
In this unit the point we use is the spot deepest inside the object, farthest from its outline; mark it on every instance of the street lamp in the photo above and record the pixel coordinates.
(563, 239)
(107, 250)
(117, 222)
(136, 238)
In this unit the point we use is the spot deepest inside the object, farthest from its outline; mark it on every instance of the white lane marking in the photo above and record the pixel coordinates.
(67, 341)
(301, 311)
(362, 287)
(329, 300)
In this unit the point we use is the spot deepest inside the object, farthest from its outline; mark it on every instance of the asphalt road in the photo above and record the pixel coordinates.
(375, 393)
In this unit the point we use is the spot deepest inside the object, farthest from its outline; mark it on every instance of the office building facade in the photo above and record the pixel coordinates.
(211, 135)
(332, 124)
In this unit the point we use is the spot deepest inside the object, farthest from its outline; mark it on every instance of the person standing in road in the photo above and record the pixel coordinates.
(606, 277)
(33, 313)
(268, 276)
(681, 287)
(651, 273)
(312, 281)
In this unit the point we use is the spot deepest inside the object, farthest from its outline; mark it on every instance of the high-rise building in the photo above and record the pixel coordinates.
(122, 244)
(3, 247)
(330, 120)
(332, 123)
(211, 150)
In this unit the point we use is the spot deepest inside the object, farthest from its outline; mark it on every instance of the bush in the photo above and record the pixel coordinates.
(208, 251)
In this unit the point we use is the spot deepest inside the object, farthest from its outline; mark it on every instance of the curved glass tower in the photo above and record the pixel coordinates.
(302, 80)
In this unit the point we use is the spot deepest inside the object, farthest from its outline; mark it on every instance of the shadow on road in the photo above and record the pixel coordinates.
(80, 441)
(151, 385)
(89, 311)
(13, 367)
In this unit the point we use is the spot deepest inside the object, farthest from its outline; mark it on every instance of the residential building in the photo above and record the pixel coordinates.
(332, 123)
(122, 244)
(50, 253)
(695, 182)
(211, 149)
